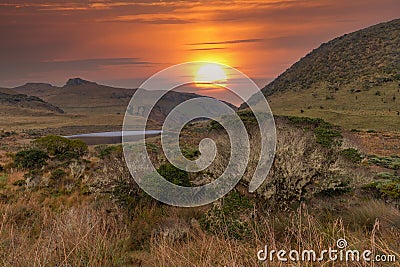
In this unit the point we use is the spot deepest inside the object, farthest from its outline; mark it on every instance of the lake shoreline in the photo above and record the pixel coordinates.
(115, 137)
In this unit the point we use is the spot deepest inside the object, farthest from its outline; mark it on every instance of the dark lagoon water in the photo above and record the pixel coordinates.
(111, 137)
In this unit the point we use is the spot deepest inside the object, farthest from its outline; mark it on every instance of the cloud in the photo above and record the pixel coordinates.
(150, 19)
(238, 41)
(33, 68)
(207, 49)
(93, 63)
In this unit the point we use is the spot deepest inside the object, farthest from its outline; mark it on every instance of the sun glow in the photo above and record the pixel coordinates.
(210, 73)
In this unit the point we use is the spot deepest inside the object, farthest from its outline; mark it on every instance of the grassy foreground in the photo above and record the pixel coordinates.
(65, 204)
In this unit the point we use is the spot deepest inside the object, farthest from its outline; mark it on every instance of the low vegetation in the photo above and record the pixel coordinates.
(61, 147)
(31, 159)
(392, 162)
(63, 203)
(352, 154)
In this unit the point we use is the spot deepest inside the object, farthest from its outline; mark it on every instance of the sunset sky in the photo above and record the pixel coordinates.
(122, 43)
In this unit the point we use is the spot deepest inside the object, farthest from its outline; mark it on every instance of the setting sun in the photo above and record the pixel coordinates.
(211, 73)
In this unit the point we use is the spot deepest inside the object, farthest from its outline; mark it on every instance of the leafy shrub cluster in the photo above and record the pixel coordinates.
(214, 125)
(392, 162)
(305, 120)
(351, 154)
(335, 189)
(58, 174)
(105, 151)
(151, 147)
(6, 134)
(30, 159)
(191, 153)
(247, 117)
(387, 185)
(231, 218)
(55, 158)
(61, 147)
(174, 174)
(325, 133)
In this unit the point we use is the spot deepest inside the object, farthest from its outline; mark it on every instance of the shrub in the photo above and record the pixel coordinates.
(246, 116)
(392, 162)
(352, 154)
(191, 153)
(151, 147)
(30, 159)
(327, 136)
(58, 174)
(387, 175)
(108, 150)
(215, 125)
(231, 218)
(305, 120)
(387, 187)
(336, 189)
(390, 190)
(78, 146)
(61, 147)
(20, 182)
(174, 174)
(325, 133)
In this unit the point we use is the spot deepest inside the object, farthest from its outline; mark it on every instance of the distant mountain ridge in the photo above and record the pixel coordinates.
(80, 96)
(9, 99)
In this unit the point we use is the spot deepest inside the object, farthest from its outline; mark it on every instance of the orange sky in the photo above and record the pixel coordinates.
(122, 43)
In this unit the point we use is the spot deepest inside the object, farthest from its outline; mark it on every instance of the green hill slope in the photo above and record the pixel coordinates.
(353, 81)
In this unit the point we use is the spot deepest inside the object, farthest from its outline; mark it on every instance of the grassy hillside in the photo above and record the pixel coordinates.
(353, 81)
(10, 99)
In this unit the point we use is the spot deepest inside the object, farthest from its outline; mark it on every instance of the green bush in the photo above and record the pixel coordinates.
(247, 116)
(215, 125)
(387, 175)
(352, 154)
(325, 133)
(78, 146)
(392, 162)
(20, 182)
(58, 174)
(390, 190)
(305, 120)
(337, 189)
(388, 186)
(174, 174)
(105, 151)
(151, 147)
(191, 153)
(30, 159)
(327, 136)
(231, 218)
(61, 147)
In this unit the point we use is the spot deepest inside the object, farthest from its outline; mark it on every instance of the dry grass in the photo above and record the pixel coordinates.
(116, 224)
(349, 110)
(78, 236)
(301, 231)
